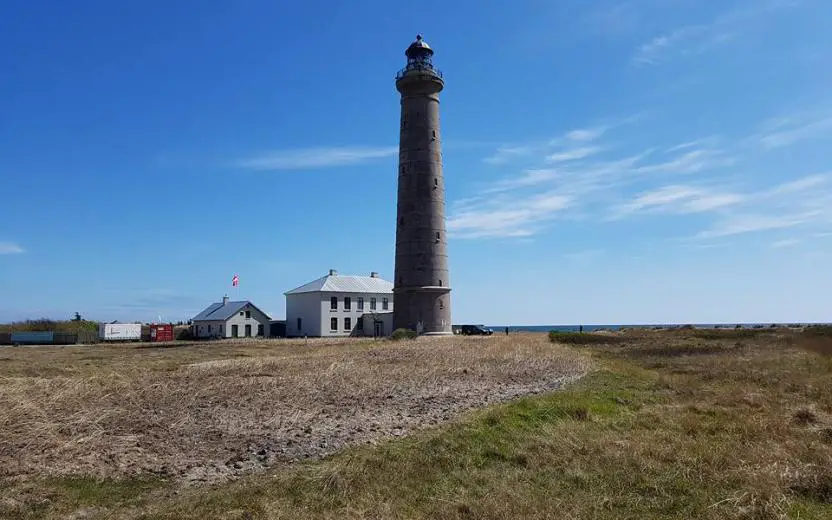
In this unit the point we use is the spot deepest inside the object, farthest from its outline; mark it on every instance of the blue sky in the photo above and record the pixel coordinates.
(611, 161)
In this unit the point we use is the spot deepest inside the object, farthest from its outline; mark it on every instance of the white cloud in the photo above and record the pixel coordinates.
(308, 158)
(799, 185)
(699, 38)
(574, 154)
(503, 154)
(679, 199)
(798, 131)
(689, 162)
(586, 134)
(505, 217)
(507, 152)
(784, 243)
(749, 223)
(10, 248)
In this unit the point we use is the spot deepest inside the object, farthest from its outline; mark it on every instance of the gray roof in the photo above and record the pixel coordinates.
(351, 284)
(221, 312)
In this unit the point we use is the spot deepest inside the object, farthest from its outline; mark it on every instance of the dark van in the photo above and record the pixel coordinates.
(475, 330)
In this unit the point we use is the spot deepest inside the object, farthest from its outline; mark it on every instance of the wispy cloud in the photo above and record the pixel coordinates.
(689, 162)
(10, 248)
(586, 134)
(787, 133)
(749, 223)
(790, 204)
(678, 199)
(504, 154)
(789, 242)
(701, 37)
(566, 142)
(574, 154)
(505, 216)
(309, 158)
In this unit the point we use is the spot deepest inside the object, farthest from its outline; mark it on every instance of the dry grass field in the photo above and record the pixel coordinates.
(204, 413)
(666, 424)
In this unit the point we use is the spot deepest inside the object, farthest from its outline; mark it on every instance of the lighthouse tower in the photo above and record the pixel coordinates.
(421, 289)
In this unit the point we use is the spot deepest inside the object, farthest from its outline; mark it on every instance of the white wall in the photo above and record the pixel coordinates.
(307, 307)
(316, 315)
(353, 314)
(239, 319)
(201, 329)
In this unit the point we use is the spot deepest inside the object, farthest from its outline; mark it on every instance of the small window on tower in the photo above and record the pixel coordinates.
(440, 283)
(434, 134)
(437, 237)
(435, 183)
(441, 302)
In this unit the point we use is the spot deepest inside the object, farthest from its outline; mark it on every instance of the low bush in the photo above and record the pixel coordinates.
(183, 333)
(400, 334)
(583, 338)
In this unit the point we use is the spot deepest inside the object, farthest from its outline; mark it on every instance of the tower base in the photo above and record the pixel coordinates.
(426, 310)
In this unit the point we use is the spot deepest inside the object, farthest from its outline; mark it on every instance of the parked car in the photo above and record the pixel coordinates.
(475, 330)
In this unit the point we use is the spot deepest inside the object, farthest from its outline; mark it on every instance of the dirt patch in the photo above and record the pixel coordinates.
(210, 412)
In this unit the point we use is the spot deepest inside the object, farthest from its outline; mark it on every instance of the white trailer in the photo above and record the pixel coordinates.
(120, 331)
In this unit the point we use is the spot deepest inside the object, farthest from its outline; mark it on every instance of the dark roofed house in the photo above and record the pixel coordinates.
(227, 319)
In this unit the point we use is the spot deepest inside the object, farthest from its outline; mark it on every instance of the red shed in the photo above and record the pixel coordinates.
(161, 332)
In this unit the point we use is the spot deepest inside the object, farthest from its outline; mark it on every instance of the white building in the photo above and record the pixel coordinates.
(229, 319)
(340, 306)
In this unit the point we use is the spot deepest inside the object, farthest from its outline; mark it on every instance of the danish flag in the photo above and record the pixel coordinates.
(235, 281)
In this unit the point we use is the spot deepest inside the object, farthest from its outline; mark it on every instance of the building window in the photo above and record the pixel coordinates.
(440, 283)
(437, 236)
(435, 183)
(441, 304)
(434, 134)
(360, 303)
(384, 304)
(241, 313)
(347, 303)
(209, 329)
(333, 324)
(248, 314)
(333, 303)
(372, 304)
(300, 324)
(347, 324)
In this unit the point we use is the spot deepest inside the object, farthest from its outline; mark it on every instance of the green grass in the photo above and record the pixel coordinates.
(671, 426)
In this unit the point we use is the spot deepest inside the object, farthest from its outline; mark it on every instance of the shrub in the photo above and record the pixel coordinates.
(400, 334)
(183, 333)
(583, 338)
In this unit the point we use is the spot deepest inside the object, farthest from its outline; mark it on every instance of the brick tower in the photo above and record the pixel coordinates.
(421, 289)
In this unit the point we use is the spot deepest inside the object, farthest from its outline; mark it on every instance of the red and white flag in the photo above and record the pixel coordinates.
(235, 281)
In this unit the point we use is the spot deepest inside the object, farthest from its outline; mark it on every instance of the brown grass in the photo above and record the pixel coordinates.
(670, 424)
(203, 412)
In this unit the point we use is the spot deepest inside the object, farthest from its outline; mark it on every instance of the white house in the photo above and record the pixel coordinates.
(229, 319)
(340, 306)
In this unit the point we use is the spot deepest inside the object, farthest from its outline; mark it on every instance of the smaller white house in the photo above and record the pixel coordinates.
(229, 319)
(340, 306)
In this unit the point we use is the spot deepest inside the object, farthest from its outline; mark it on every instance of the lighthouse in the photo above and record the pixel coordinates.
(421, 289)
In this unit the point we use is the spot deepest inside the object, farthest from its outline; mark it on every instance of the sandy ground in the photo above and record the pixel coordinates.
(207, 412)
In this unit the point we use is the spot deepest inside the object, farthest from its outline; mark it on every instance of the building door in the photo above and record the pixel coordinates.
(260, 330)
(378, 330)
(234, 331)
(248, 331)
